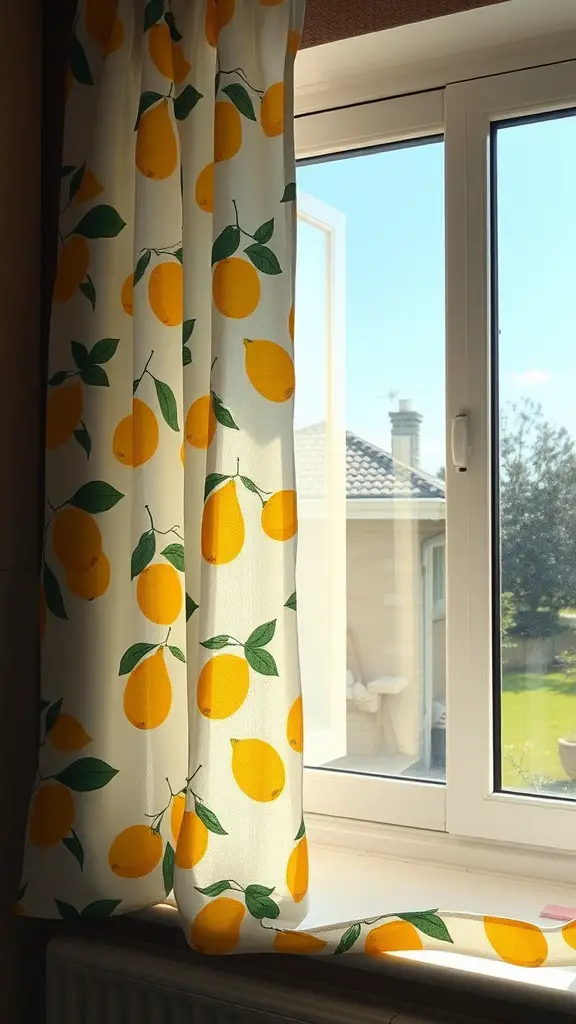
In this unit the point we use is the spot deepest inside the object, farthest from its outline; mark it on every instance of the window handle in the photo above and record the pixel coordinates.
(460, 443)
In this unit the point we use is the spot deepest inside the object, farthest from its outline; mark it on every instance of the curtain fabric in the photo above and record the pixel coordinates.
(171, 725)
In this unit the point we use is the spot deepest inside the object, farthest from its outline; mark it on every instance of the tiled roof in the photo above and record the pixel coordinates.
(370, 471)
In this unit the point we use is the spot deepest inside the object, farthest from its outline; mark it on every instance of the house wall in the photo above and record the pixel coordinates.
(384, 596)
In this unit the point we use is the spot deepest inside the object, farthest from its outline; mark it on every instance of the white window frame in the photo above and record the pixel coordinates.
(467, 808)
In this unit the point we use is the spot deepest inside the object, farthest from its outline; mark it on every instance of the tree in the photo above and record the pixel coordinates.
(537, 511)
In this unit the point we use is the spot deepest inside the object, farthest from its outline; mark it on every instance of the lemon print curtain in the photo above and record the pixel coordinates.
(171, 719)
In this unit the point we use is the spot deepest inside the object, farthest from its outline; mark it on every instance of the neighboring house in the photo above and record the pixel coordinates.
(393, 588)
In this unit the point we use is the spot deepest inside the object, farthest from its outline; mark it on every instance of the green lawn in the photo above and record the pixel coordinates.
(536, 710)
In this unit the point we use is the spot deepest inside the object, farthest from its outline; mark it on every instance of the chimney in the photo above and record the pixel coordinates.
(406, 433)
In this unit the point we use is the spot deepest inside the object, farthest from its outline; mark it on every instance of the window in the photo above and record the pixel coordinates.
(434, 307)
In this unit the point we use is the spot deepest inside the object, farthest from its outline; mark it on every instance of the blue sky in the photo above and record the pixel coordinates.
(394, 208)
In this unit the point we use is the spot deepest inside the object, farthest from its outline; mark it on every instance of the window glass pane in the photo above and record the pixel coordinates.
(535, 416)
(389, 690)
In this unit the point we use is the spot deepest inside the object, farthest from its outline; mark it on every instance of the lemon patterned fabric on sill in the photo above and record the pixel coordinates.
(171, 728)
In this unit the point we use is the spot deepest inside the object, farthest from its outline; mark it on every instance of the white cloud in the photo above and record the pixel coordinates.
(530, 378)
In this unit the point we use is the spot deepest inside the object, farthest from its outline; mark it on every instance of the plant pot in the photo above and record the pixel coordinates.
(567, 755)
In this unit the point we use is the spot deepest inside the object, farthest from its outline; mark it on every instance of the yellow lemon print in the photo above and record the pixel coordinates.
(183, 453)
(52, 815)
(297, 942)
(68, 734)
(156, 145)
(192, 841)
(90, 584)
(116, 37)
(270, 369)
(200, 425)
(295, 726)
(204, 191)
(235, 288)
(297, 871)
(42, 612)
(216, 928)
(516, 942)
(222, 526)
(90, 187)
(272, 110)
(135, 852)
(159, 594)
(63, 413)
(293, 42)
(218, 14)
(100, 16)
(166, 55)
(127, 295)
(76, 539)
(569, 934)
(280, 516)
(222, 686)
(165, 291)
(136, 437)
(148, 693)
(258, 769)
(227, 131)
(390, 937)
(291, 323)
(19, 910)
(177, 814)
(72, 268)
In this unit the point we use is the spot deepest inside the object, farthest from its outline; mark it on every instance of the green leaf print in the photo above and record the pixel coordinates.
(178, 254)
(79, 354)
(86, 774)
(52, 715)
(185, 102)
(348, 938)
(103, 350)
(100, 222)
(289, 193)
(133, 655)
(174, 553)
(187, 328)
(259, 904)
(226, 244)
(262, 635)
(175, 35)
(147, 99)
(67, 911)
(76, 181)
(79, 66)
(88, 290)
(291, 602)
(97, 496)
(212, 481)
(263, 258)
(249, 484)
(241, 100)
(143, 553)
(141, 265)
(58, 378)
(44, 704)
(301, 831)
(186, 356)
(99, 909)
(74, 846)
(167, 403)
(21, 892)
(428, 922)
(152, 13)
(261, 661)
(53, 594)
(177, 653)
(209, 819)
(216, 643)
(265, 231)
(168, 869)
(95, 376)
(66, 170)
(84, 440)
(222, 414)
(191, 607)
(215, 889)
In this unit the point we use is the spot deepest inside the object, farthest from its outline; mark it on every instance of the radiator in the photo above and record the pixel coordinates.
(90, 982)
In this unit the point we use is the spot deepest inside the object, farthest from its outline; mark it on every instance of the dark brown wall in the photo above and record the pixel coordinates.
(327, 20)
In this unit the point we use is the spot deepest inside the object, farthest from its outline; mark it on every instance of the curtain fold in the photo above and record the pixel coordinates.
(171, 727)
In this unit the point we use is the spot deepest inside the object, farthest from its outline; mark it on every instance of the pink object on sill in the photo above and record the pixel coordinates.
(559, 913)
